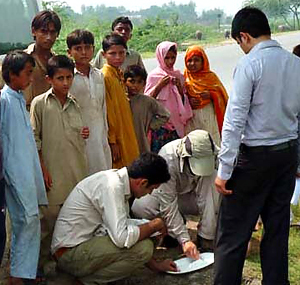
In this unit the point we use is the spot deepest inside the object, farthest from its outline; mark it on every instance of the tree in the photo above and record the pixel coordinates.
(279, 8)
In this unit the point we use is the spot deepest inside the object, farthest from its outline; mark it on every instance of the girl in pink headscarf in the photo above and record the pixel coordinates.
(166, 84)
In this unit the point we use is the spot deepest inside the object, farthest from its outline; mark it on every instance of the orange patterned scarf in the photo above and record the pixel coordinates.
(205, 80)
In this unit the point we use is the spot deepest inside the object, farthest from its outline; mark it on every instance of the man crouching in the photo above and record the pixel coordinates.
(93, 238)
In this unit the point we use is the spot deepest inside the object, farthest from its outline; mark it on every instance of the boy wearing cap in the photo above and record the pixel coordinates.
(190, 190)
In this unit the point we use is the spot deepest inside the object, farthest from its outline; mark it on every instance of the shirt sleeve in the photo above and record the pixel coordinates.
(298, 170)
(111, 116)
(235, 118)
(115, 217)
(168, 198)
(140, 62)
(98, 61)
(36, 123)
(160, 115)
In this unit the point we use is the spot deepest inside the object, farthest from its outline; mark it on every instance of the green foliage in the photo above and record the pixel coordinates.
(287, 10)
(147, 33)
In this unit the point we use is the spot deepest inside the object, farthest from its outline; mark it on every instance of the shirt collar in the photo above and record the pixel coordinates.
(123, 173)
(17, 94)
(265, 44)
(70, 98)
(30, 48)
(76, 71)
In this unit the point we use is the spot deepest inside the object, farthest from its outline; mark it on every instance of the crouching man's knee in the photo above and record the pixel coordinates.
(144, 250)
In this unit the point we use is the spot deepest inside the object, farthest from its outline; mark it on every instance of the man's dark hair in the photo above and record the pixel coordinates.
(59, 61)
(14, 62)
(252, 21)
(296, 50)
(150, 166)
(123, 20)
(43, 18)
(80, 36)
(133, 71)
(113, 40)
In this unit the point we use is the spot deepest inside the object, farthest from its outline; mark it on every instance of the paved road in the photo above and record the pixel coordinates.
(224, 58)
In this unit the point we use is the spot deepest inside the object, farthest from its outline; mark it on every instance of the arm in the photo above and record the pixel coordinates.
(113, 207)
(161, 84)
(160, 115)
(140, 62)
(36, 124)
(111, 120)
(162, 266)
(234, 124)
(298, 170)
(156, 225)
(98, 60)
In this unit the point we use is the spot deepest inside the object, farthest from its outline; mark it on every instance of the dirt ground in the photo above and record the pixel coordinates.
(144, 276)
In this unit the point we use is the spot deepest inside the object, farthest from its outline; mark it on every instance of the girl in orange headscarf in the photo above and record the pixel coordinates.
(206, 94)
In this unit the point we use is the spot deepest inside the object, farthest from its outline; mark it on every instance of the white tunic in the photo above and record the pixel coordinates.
(90, 94)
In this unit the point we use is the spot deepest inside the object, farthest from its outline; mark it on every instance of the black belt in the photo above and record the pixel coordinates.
(268, 148)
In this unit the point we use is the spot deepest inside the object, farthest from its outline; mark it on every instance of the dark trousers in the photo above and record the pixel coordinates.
(263, 183)
(2, 219)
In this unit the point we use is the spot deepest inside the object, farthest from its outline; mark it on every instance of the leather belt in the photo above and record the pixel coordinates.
(268, 148)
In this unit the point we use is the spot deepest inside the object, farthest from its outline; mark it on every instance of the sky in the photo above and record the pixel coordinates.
(229, 6)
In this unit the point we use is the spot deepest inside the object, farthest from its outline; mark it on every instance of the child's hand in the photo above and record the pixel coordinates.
(47, 179)
(164, 81)
(115, 152)
(177, 82)
(85, 133)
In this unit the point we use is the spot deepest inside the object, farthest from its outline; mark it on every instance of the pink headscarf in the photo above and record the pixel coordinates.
(169, 95)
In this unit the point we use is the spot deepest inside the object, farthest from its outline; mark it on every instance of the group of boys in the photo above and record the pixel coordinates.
(74, 135)
(81, 122)
(66, 138)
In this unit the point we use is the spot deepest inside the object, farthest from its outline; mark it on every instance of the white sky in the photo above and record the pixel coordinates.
(229, 6)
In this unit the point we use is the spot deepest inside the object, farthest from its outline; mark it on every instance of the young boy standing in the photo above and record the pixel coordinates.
(45, 28)
(147, 112)
(59, 135)
(123, 27)
(89, 90)
(121, 134)
(25, 189)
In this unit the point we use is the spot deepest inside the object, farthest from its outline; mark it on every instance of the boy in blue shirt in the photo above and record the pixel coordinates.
(25, 189)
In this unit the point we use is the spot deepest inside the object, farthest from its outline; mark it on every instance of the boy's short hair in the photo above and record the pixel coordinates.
(113, 40)
(59, 61)
(150, 166)
(123, 20)
(15, 62)
(133, 71)
(296, 50)
(43, 18)
(252, 21)
(80, 36)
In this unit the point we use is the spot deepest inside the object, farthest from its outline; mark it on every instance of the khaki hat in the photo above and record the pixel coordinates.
(199, 147)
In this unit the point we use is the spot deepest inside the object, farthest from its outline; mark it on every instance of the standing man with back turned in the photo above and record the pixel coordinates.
(259, 150)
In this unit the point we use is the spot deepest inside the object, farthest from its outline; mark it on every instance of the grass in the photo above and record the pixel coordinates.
(252, 268)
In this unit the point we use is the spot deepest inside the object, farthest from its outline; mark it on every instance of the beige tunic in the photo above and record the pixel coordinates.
(56, 130)
(39, 84)
(90, 95)
(147, 114)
